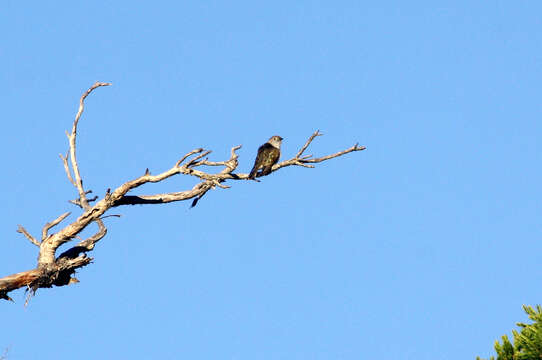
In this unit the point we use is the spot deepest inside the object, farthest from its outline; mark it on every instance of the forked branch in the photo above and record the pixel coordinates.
(59, 271)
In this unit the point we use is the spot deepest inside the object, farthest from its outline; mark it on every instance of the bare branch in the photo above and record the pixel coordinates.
(50, 244)
(60, 275)
(211, 180)
(228, 163)
(87, 244)
(198, 190)
(211, 163)
(67, 167)
(337, 154)
(195, 151)
(51, 224)
(58, 271)
(19, 280)
(73, 136)
(77, 201)
(311, 138)
(32, 239)
(118, 196)
(194, 162)
(302, 161)
(305, 165)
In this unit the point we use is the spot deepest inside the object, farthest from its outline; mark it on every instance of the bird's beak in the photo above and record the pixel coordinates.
(281, 138)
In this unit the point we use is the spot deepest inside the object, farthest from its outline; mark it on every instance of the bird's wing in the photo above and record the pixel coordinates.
(263, 152)
(275, 155)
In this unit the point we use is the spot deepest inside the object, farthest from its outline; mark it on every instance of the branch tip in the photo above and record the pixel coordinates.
(22, 230)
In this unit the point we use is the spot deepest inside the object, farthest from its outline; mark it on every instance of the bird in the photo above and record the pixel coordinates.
(268, 155)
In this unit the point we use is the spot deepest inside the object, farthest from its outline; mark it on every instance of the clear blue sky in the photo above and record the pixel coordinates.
(424, 246)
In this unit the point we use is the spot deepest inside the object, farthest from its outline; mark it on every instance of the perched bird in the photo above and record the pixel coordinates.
(268, 155)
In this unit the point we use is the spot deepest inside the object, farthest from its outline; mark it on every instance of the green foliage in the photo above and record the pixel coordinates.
(527, 342)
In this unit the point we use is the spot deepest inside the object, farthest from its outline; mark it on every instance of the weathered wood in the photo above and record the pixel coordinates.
(58, 271)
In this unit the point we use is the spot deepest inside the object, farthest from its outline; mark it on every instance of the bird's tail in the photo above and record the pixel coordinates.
(266, 170)
(253, 172)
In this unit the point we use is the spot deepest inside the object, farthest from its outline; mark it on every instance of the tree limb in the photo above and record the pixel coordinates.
(58, 271)
(53, 223)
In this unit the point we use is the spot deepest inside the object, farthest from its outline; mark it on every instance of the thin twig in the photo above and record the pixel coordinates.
(32, 239)
(311, 138)
(51, 224)
(194, 162)
(337, 154)
(195, 151)
(77, 201)
(212, 163)
(67, 167)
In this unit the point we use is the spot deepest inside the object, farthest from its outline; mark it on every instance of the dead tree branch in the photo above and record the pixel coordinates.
(58, 271)
(32, 239)
(53, 223)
